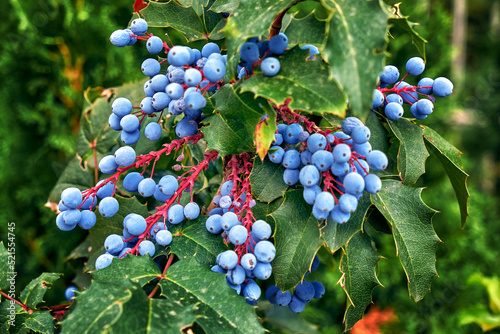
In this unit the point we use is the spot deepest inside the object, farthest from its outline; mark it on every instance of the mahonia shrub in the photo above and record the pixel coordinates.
(269, 130)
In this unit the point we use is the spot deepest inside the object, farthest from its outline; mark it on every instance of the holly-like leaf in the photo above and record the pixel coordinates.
(196, 241)
(225, 6)
(260, 13)
(40, 322)
(297, 240)
(231, 130)
(336, 235)
(162, 320)
(412, 151)
(74, 175)
(222, 309)
(401, 21)
(140, 269)
(354, 49)
(411, 223)
(113, 225)
(359, 278)
(266, 179)
(449, 156)
(197, 5)
(264, 136)
(306, 82)
(306, 30)
(186, 20)
(33, 293)
(6, 267)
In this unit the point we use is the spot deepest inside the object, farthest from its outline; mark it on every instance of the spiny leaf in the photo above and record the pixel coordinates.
(412, 151)
(297, 240)
(226, 6)
(40, 322)
(196, 241)
(260, 13)
(222, 309)
(74, 175)
(449, 156)
(140, 269)
(266, 179)
(304, 81)
(306, 30)
(197, 5)
(411, 223)
(33, 293)
(354, 49)
(359, 278)
(336, 235)
(401, 21)
(231, 130)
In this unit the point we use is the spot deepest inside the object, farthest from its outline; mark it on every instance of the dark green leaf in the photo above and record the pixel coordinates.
(306, 30)
(6, 267)
(140, 269)
(182, 19)
(260, 13)
(74, 175)
(378, 222)
(231, 131)
(333, 120)
(263, 211)
(225, 6)
(297, 239)
(81, 251)
(304, 81)
(170, 316)
(416, 241)
(397, 19)
(281, 318)
(224, 311)
(196, 241)
(266, 179)
(336, 235)
(412, 151)
(359, 277)
(378, 138)
(40, 322)
(354, 49)
(197, 5)
(114, 225)
(449, 156)
(33, 293)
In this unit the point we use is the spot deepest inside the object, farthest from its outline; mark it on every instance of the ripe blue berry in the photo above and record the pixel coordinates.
(108, 207)
(270, 66)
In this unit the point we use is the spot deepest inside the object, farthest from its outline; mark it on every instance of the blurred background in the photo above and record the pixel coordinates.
(53, 50)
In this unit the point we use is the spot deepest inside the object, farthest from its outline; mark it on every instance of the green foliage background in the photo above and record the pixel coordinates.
(53, 50)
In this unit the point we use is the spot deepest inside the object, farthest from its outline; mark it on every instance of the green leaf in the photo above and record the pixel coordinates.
(195, 241)
(81, 251)
(481, 316)
(6, 267)
(183, 19)
(449, 156)
(113, 225)
(139, 269)
(260, 13)
(41, 322)
(359, 278)
(226, 6)
(197, 5)
(76, 174)
(336, 235)
(306, 30)
(378, 222)
(354, 49)
(304, 81)
(266, 180)
(284, 321)
(411, 223)
(223, 310)
(263, 211)
(401, 21)
(297, 239)
(169, 316)
(412, 151)
(231, 131)
(33, 293)
(264, 136)
(378, 137)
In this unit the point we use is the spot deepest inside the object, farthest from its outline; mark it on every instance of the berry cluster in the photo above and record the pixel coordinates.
(340, 160)
(404, 93)
(304, 292)
(232, 216)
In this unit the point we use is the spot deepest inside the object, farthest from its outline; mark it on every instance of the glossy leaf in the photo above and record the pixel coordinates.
(306, 30)
(190, 282)
(297, 240)
(401, 21)
(304, 81)
(449, 156)
(354, 49)
(33, 293)
(76, 174)
(225, 6)
(411, 223)
(358, 266)
(412, 151)
(140, 269)
(267, 182)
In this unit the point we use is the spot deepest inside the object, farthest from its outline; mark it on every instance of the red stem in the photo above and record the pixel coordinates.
(25, 308)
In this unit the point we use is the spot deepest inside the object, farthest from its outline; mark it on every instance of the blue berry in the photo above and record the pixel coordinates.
(425, 82)
(263, 270)
(61, 225)
(228, 220)
(192, 77)
(271, 293)
(270, 66)
(168, 185)
(316, 142)
(394, 98)
(129, 123)
(408, 97)
(226, 188)
(291, 159)
(390, 75)
(146, 247)
(442, 87)
(296, 305)
(277, 156)
(309, 176)
(114, 122)
(228, 260)
(340, 169)
(372, 183)
(160, 101)
(348, 203)
(349, 124)
(108, 207)
(310, 194)
(131, 181)
(292, 133)
(282, 298)
(248, 261)
(120, 38)
(153, 131)
(425, 107)
(146, 187)
(415, 66)
(130, 138)
(304, 291)
(377, 160)
(393, 111)
(360, 134)
(147, 104)
(186, 128)
(291, 176)
(191, 211)
(341, 153)
(159, 82)
(354, 183)
(135, 224)
(319, 290)
(249, 52)
(163, 237)
(71, 197)
(278, 43)
(178, 56)
(264, 251)
(87, 220)
(378, 99)
(195, 101)
(414, 112)
(252, 292)
(113, 244)
(150, 67)
(121, 107)
(236, 275)
(72, 217)
(303, 136)
(214, 70)
(139, 27)
(175, 214)
(69, 293)
(339, 216)
(154, 44)
(323, 160)
(125, 156)
(324, 201)
(209, 48)
(103, 261)
(278, 139)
